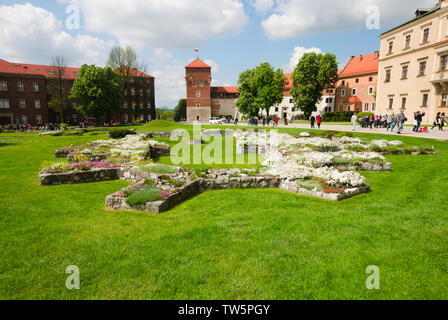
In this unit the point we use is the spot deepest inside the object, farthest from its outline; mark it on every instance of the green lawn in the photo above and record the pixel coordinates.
(256, 244)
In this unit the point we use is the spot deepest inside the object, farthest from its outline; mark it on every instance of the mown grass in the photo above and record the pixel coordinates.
(236, 244)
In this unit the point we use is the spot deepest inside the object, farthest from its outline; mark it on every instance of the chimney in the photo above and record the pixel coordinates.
(377, 54)
(360, 58)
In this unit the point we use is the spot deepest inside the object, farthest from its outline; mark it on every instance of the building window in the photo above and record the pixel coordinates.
(3, 86)
(403, 102)
(444, 62)
(37, 104)
(39, 119)
(426, 35)
(407, 42)
(195, 84)
(198, 105)
(133, 91)
(391, 47)
(404, 74)
(366, 106)
(4, 104)
(370, 79)
(388, 75)
(444, 99)
(201, 84)
(290, 101)
(354, 90)
(343, 93)
(343, 83)
(391, 103)
(425, 100)
(22, 104)
(422, 69)
(24, 119)
(35, 87)
(198, 94)
(349, 108)
(371, 91)
(20, 86)
(357, 80)
(341, 107)
(373, 106)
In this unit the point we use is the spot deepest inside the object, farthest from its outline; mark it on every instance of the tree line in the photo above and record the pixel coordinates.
(262, 87)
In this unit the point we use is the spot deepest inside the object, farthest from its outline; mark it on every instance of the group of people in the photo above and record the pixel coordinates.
(388, 121)
(30, 128)
(255, 121)
(392, 121)
(315, 120)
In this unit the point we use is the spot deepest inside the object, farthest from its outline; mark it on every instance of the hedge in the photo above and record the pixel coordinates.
(339, 116)
(119, 134)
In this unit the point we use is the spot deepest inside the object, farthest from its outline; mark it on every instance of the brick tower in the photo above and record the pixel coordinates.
(198, 76)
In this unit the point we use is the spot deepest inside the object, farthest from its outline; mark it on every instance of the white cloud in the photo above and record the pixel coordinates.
(262, 5)
(293, 18)
(33, 35)
(297, 55)
(174, 24)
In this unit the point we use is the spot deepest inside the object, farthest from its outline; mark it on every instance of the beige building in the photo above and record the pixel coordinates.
(413, 67)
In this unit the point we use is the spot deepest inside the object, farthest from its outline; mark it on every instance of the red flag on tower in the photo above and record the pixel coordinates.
(196, 50)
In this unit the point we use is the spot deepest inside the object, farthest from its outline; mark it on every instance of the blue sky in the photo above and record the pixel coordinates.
(232, 35)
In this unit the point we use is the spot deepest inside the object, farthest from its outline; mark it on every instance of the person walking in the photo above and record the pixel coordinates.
(443, 121)
(313, 121)
(437, 122)
(371, 121)
(319, 121)
(419, 119)
(401, 119)
(354, 120)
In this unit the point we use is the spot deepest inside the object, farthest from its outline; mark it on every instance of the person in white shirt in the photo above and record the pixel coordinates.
(354, 121)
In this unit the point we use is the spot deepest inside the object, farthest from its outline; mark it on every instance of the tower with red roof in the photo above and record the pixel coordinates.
(198, 76)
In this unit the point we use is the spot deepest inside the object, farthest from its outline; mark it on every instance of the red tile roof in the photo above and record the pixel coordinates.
(232, 90)
(290, 81)
(354, 100)
(45, 71)
(198, 63)
(361, 65)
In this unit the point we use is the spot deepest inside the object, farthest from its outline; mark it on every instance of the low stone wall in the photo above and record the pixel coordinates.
(77, 177)
(61, 153)
(157, 152)
(366, 166)
(292, 186)
(133, 174)
(192, 189)
(166, 134)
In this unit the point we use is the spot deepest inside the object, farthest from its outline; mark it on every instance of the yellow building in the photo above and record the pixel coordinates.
(413, 66)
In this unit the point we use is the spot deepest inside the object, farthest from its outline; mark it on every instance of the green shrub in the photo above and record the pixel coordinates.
(120, 134)
(340, 161)
(144, 195)
(368, 114)
(310, 184)
(160, 168)
(339, 116)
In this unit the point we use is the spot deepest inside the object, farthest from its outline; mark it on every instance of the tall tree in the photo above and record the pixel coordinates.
(97, 91)
(180, 112)
(313, 74)
(260, 89)
(129, 69)
(58, 100)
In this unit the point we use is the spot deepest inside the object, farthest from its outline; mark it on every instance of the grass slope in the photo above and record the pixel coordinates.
(256, 244)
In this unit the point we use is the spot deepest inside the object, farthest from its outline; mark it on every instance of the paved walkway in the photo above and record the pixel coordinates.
(407, 131)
